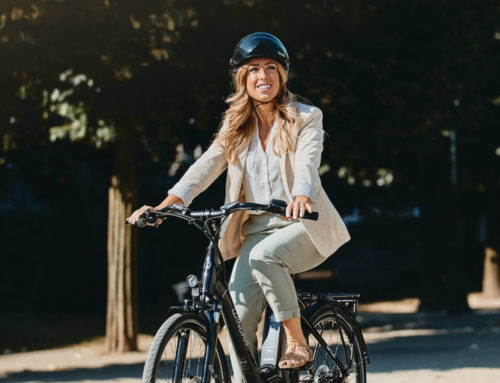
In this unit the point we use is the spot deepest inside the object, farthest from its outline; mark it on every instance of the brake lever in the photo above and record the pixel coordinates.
(143, 219)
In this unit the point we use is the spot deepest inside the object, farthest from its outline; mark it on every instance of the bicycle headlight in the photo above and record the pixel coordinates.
(192, 281)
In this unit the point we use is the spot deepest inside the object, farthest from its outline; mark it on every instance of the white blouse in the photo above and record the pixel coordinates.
(262, 179)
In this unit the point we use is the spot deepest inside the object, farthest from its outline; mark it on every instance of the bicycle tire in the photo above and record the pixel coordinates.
(163, 358)
(337, 328)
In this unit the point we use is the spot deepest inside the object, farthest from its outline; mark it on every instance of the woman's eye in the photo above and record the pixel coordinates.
(271, 67)
(253, 69)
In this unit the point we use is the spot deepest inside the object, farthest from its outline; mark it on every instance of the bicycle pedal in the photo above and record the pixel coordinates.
(307, 366)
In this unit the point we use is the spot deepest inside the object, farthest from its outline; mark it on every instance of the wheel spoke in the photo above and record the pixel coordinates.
(337, 333)
(178, 353)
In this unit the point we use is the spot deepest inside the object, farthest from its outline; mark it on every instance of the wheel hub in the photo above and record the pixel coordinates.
(324, 374)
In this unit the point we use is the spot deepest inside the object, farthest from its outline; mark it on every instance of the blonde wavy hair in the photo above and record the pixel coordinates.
(239, 120)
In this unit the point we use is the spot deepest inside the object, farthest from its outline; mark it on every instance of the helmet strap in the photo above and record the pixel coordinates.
(263, 103)
(278, 97)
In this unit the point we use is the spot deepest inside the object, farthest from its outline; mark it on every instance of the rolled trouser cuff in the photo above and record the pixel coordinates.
(284, 315)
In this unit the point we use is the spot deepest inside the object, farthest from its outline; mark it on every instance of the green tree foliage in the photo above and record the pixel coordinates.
(387, 74)
(86, 70)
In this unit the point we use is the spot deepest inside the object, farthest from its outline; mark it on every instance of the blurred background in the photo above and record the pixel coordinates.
(106, 103)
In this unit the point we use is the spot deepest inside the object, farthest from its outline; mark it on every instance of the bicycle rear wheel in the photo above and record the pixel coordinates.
(177, 353)
(336, 328)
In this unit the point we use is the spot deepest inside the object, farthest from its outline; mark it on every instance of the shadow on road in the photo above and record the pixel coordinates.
(117, 372)
(398, 342)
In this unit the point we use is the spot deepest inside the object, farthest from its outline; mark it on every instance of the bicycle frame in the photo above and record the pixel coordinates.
(214, 301)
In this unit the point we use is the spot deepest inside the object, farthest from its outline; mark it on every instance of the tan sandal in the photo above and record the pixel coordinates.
(297, 355)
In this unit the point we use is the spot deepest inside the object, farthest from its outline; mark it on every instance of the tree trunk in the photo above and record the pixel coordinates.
(121, 318)
(491, 276)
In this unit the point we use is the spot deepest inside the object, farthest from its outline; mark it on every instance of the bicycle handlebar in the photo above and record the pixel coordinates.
(275, 206)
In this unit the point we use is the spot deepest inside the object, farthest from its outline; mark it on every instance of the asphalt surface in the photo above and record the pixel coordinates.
(414, 347)
(435, 348)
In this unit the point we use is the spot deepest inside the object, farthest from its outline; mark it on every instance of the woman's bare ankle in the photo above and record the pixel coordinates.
(293, 330)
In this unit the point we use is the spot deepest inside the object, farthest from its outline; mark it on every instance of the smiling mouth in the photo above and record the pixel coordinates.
(266, 86)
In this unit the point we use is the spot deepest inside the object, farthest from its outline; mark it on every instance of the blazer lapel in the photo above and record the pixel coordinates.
(285, 177)
(287, 172)
(235, 174)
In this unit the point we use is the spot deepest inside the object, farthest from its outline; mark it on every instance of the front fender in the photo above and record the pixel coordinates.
(185, 310)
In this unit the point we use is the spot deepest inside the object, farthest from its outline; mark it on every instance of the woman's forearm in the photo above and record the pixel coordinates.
(171, 199)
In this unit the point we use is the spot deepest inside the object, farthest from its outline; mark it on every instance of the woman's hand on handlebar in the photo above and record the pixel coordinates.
(298, 207)
(171, 199)
(138, 214)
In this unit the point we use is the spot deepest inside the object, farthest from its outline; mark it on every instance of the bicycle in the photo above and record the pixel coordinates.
(186, 348)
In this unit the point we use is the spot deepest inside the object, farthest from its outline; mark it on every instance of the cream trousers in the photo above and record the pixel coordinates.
(273, 249)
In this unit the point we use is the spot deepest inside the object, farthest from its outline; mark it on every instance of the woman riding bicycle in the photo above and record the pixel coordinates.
(271, 146)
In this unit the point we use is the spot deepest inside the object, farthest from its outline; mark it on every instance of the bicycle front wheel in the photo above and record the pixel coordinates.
(341, 361)
(177, 353)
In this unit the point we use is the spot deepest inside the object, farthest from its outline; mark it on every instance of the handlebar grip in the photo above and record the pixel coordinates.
(312, 216)
(141, 222)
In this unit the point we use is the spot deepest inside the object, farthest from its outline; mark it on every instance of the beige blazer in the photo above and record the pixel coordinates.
(328, 233)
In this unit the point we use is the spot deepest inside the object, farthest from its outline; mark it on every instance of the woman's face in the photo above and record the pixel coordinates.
(263, 79)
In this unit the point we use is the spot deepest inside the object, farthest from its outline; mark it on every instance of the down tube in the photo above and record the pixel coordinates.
(237, 336)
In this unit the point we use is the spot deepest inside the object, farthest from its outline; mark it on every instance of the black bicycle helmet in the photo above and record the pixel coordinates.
(259, 44)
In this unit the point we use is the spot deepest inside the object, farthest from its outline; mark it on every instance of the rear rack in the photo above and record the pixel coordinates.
(350, 300)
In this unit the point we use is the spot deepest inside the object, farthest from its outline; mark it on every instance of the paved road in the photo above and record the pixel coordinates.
(404, 348)
(435, 348)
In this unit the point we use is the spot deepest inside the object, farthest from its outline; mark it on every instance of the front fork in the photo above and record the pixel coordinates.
(211, 311)
(213, 330)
